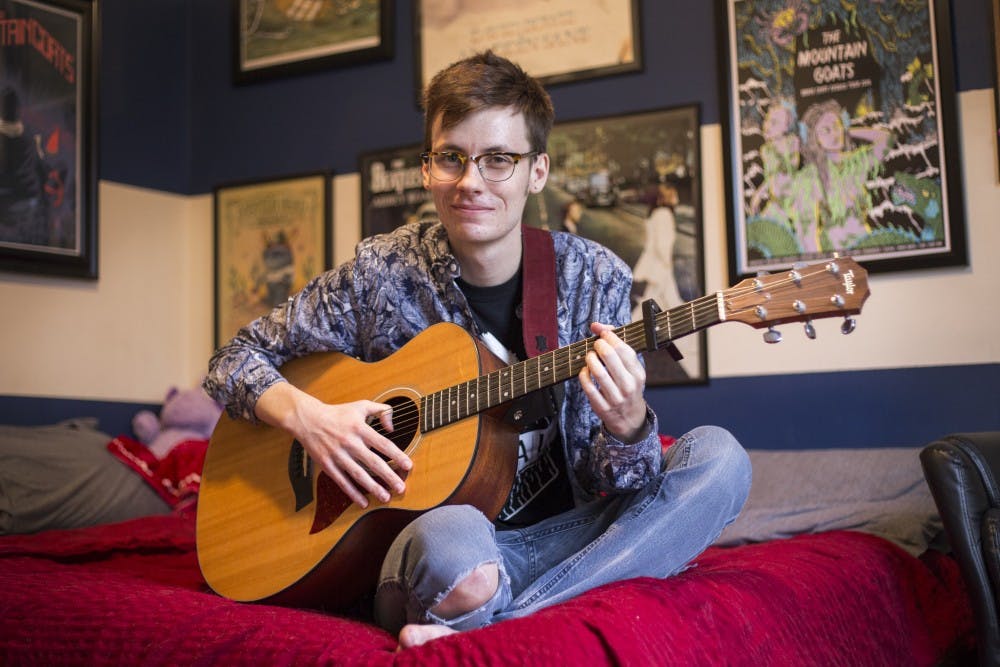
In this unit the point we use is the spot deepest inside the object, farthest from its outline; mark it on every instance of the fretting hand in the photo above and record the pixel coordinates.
(614, 381)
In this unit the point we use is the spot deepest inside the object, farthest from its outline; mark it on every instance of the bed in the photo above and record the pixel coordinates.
(836, 560)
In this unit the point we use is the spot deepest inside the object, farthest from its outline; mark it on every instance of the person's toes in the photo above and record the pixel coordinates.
(415, 635)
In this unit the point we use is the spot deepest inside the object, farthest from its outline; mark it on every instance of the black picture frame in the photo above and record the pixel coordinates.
(392, 190)
(48, 104)
(271, 41)
(271, 237)
(558, 41)
(884, 183)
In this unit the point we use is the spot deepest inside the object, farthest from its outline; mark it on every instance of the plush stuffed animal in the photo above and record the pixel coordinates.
(186, 415)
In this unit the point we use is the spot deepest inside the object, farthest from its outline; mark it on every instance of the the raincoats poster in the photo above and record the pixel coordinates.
(841, 134)
(47, 138)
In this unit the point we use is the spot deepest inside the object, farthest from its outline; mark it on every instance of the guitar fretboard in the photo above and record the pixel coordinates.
(488, 391)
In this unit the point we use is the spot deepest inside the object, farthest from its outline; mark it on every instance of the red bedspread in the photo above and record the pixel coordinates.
(131, 593)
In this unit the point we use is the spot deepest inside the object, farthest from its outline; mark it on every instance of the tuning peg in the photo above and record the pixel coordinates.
(848, 326)
(810, 330)
(772, 335)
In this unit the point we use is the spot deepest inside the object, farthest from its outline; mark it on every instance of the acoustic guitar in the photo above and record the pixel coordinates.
(271, 527)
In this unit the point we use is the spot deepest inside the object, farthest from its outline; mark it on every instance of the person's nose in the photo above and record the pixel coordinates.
(471, 178)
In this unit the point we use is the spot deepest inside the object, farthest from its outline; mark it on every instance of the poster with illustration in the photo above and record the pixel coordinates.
(841, 135)
(277, 38)
(48, 197)
(270, 240)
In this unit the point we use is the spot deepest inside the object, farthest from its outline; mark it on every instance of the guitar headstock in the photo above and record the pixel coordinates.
(832, 288)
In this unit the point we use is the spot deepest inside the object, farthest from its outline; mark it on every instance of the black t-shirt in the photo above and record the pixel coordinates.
(541, 487)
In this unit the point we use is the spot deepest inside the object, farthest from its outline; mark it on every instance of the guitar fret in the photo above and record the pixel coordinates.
(437, 409)
(429, 412)
(708, 314)
(578, 358)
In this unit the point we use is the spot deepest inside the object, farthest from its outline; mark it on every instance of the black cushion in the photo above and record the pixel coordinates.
(962, 470)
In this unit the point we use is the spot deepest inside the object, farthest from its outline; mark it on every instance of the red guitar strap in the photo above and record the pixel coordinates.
(538, 292)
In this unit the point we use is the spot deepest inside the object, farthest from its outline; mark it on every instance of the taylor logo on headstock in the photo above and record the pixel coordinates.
(849, 282)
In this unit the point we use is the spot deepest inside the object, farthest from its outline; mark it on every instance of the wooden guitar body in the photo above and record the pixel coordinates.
(253, 542)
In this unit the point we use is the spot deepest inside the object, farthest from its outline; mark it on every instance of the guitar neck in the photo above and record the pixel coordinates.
(549, 368)
(831, 288)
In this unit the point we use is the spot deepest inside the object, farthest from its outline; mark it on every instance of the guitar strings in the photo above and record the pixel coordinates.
(565, 362)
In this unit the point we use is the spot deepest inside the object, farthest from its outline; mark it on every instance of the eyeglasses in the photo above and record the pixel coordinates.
(494, 167)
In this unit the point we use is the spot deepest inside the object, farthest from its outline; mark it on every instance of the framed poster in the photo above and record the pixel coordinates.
(283, 37)
(841, 134)
(633, 184)
(392, 189)
(554, 41)
(271, 237)
(48, 130)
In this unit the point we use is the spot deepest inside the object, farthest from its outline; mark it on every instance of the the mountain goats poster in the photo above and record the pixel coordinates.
(841, 134)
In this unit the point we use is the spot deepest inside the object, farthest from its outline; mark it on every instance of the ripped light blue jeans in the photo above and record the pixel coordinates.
(654, 532)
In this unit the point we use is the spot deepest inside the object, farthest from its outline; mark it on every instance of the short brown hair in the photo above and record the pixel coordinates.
(487, 80)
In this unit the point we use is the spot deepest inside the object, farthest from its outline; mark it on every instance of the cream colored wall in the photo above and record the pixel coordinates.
(144, 325)
(147, 323)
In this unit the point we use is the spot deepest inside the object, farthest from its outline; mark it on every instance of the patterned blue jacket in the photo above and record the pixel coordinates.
(400, 283)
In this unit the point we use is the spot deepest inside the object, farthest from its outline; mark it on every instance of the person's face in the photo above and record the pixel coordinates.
(777, 122)
(830, 132)
(472, 209)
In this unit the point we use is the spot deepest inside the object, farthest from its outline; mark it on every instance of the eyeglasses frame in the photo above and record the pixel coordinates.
(426, 156)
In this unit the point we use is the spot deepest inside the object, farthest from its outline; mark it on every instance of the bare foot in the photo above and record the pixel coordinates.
(414, 634)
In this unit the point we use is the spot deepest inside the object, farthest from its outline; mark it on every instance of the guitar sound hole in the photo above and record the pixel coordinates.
(405, 420)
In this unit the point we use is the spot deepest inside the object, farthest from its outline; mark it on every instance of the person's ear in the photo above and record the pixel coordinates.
(539, 173)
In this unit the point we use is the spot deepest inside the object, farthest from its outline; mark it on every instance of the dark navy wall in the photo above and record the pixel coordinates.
(805, 411)
(145, 103)
(877, 408)
(173, 120)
